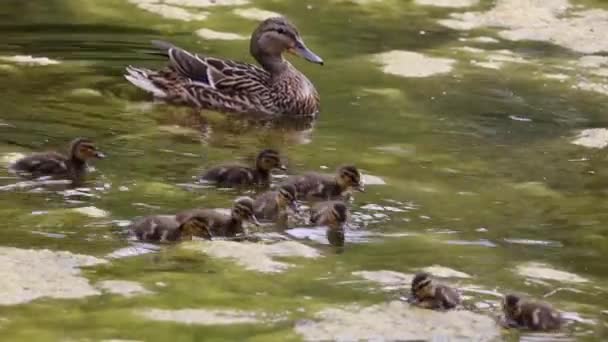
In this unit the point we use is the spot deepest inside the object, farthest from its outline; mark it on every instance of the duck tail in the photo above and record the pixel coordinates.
(141, 79)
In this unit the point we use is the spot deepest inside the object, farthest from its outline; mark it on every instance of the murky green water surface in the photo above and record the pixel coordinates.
(479, 162)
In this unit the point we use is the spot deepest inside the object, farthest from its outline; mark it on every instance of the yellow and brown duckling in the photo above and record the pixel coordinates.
(228, 86)
(59, 166)
(220, 224)
(316, 186)
(240, 175)
(333, 215)
(166, 228)
(428, 294)
(273, 205)
(528, 314)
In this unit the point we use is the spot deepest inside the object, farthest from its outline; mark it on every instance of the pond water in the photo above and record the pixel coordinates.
(467, 128)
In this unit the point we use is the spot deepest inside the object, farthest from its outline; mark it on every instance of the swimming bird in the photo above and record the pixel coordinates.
(165, 228)
(529, 314)
(333, 215)
(231, 175)
(316, 186)
(220, 224)
(275, 87)
(59, 166)
(428, 294)
(273, 205)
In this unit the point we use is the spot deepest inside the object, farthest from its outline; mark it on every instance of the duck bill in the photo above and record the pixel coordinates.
(99, 155)
(283, 167)
(301, 50)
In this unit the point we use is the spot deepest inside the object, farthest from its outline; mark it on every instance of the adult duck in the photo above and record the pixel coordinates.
(275, 88)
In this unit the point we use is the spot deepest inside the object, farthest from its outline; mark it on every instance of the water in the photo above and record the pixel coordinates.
(478, 162)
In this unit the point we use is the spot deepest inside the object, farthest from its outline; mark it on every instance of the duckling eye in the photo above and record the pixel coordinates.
(281, 30)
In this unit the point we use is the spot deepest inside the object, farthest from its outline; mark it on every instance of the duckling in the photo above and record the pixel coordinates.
(272, 205)
(332, 214)
(239, 175)
(530, 314)
(163, 228)
(221, 224)
(57, 165)
(317, 186)
(429, 295)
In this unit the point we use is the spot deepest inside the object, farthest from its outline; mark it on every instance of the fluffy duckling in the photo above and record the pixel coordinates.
(239, 175)
(529, 314)
(427, 294)
(57, 165)
(332, 214)
(221, 224)
(164, 228)
(317, 186)
(273, 205)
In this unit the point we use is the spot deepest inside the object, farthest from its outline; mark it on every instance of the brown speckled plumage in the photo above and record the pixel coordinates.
(212, 83)
(58, 166)
(240, 175)
(427, 294)
(166, 228)
(527, 314)
(333, 215)
(315, 186)
(220, 224)
(273, 205)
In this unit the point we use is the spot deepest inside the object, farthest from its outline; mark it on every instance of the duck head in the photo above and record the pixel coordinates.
(272, 38)
(287, 197)
(422, 286)
(269, 159)
(84, 149)
(350, 177)
(243, 210)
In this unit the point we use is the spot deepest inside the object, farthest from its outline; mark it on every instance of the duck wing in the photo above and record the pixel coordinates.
(227, 76)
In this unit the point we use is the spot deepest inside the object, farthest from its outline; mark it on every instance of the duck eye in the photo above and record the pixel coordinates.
(281, 30)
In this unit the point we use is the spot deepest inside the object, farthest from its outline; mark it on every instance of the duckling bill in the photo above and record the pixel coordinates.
(315, 186)
(276, 87)
(274, 205)
(239, 175)
(428, 294)
(166, 228)
(222, 225)
(528, 314)
(59, 166)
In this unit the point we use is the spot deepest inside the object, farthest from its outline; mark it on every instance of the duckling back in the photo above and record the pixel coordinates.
(41, 164)
(219, 224)
(156, 228)
(230, 175)
(315, 186)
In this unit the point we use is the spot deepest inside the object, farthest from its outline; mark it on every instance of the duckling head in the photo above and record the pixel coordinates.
(422, 285)
(83, 149)
(287, 197)
(511, 306)
(349, 176)
(272, 38)
(269, 159)
(243, 210)
(196, 226)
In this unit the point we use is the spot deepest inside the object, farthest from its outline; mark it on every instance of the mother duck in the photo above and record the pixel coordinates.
(228, 86)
